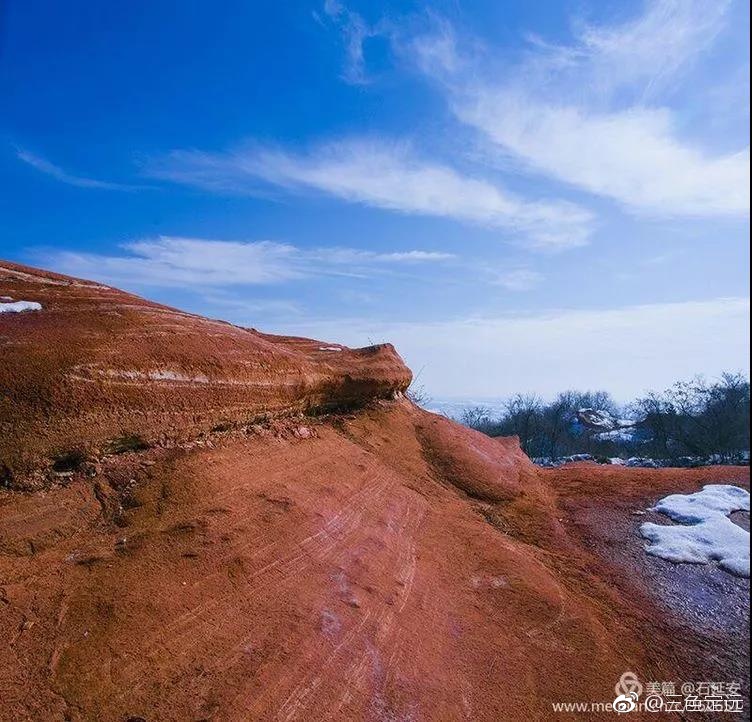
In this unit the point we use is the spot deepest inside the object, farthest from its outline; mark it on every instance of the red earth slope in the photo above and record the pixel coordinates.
(382, 563)
(96, 365)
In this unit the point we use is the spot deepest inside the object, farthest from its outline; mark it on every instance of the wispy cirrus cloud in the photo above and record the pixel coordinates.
(355, 32)
(169, 261)
(48, 168)
(648, 53)
(596, 114)
(386, 175)
(633, 157)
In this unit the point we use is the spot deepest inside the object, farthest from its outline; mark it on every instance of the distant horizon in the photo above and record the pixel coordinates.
(495, 401)
(518, 196)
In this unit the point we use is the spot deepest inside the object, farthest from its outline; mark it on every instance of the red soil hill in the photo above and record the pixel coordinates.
(381, 563)
(97, 365)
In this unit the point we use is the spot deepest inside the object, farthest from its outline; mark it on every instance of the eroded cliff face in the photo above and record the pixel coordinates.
(381, 563)
(96, 367)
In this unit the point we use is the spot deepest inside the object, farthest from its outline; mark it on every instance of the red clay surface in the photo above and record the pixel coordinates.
(382, 564)
(97, 364)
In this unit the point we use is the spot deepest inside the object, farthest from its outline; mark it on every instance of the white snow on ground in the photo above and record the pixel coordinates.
(18, 306)
(640, 461)
(329, 348)
(602, 419)
(621, 434)
(704, 532)
(598, 418)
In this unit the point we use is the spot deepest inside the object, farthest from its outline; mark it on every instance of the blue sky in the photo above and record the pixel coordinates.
(521, 196)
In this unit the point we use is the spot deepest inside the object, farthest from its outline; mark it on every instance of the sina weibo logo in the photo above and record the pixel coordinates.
(628, 691)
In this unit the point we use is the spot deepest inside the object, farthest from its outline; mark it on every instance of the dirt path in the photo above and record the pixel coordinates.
(701, 605)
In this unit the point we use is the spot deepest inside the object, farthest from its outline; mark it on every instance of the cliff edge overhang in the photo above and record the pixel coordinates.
(84, 365)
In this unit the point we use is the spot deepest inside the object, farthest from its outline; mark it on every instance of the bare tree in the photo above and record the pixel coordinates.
(523, 419)
(478, 418)
(693, 418)
(418, 395)
(417, 392)
(699, 417)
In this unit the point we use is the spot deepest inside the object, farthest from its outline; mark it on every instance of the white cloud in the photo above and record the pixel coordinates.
(518, 279)
(625, 350)
(653, 48)
(355, 31)
(50, 169)
(355, 256)
(197, 262)
(631, 156)
(384, 175)
(595, 114)
(435, 51)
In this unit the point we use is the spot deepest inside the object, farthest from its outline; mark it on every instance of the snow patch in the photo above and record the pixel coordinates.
(642, 462)
(19, 306)
(704, 532)
(603, 420)
(620, 435)
(329, 348)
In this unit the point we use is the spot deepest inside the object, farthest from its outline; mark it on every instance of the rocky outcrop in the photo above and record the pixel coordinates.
(87, 366)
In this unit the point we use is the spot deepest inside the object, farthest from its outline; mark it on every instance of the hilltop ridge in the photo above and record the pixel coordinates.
(89, 365)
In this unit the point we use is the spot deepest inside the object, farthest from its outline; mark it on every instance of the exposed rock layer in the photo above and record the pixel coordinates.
(96, 364)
